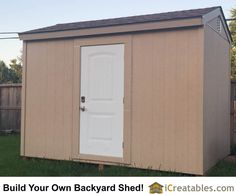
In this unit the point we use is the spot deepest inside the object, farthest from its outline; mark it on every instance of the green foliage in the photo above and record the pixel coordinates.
(15, 71)
(223, 168)
(11, 164)
(232, 27)
(12, 74)
(4, 73)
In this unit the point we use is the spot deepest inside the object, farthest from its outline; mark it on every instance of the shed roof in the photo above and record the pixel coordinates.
(194, 13)
(158, 21)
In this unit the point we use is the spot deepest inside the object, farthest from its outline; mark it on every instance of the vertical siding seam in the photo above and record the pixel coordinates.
(189, 125)
(63, 97)
(152, 88)
(131, 99)
(174, 107)
(203, 63)
(72, 98)
(165, 134)
(46, 89)
(55, 48)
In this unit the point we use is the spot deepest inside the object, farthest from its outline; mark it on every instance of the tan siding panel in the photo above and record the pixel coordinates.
(49, 99)
(34, 131)
(167, 101)
(216, 98)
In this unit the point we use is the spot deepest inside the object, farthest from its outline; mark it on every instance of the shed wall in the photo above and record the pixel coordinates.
(48, 107)
(166, 100)
(216, 98)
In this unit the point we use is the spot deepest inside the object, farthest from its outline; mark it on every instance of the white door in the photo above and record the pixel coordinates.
(101, 103)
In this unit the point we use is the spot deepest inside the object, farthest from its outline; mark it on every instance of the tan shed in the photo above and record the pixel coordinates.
(147, 91)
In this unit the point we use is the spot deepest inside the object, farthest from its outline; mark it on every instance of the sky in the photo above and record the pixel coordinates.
(23, 15)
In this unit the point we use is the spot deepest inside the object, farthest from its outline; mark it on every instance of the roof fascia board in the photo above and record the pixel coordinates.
(189, 22)
(212, 15)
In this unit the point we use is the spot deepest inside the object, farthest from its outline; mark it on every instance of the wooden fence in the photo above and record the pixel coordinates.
(10, 107)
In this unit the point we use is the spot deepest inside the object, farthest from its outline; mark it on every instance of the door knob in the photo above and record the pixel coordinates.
(82, 108)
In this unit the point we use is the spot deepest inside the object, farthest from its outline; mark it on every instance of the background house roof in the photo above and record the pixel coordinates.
(125, 20)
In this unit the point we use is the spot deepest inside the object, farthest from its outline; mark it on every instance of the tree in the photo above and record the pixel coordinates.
(4, 73)
(232, 27)
(15, 71)
(12, 74)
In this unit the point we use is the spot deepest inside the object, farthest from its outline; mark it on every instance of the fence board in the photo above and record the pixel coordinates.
(10, 107)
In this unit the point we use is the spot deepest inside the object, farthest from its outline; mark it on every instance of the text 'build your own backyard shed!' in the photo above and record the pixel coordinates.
(147, 91)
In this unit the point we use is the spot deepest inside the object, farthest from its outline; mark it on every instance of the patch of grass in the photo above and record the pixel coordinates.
(11, 164)
(223, 168)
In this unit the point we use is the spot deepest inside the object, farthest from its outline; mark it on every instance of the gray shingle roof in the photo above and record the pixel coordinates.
(125, 20)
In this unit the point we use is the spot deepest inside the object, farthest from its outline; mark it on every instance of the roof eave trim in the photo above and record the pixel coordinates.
(160, 25)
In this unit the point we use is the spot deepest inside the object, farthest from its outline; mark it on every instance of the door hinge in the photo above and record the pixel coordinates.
(123, 145)
(123, 100)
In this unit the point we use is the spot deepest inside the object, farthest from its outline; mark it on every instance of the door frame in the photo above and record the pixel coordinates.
(96, 41)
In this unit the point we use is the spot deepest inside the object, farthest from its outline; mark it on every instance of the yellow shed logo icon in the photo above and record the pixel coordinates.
(156, 188)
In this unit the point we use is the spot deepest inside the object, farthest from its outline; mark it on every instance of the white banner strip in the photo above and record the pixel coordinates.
(122, 185)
